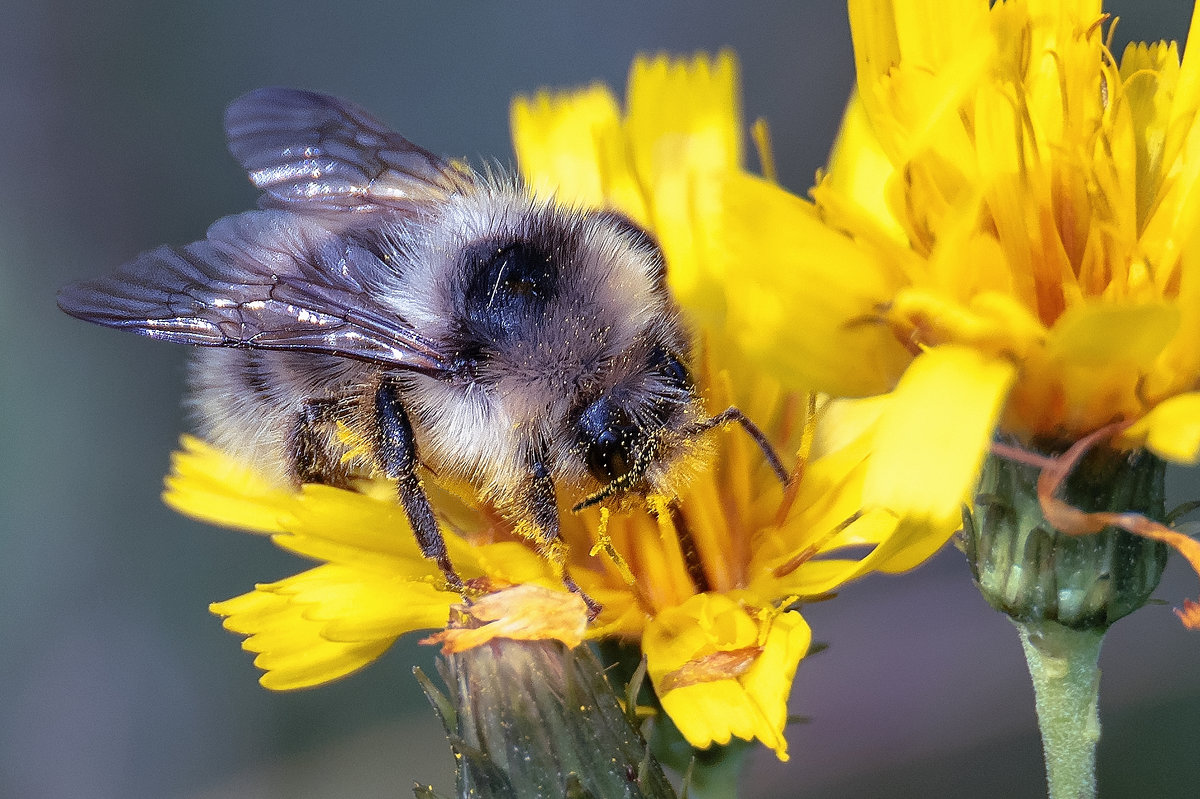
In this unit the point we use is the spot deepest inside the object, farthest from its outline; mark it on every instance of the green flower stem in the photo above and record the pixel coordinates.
(1063, 591)
(1064, 665)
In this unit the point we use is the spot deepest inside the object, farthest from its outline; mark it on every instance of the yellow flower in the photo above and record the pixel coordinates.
(372, 586)
(707, 583)
(1005, 239)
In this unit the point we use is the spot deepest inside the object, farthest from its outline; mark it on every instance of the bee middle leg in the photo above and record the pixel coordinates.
(543, 507)
(397, 456)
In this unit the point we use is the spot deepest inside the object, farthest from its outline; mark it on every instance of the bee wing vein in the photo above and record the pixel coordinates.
(245, 286)
(320, 153)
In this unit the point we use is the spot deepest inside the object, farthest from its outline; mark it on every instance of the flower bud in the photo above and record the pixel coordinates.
(534, 718)
(1032, 572)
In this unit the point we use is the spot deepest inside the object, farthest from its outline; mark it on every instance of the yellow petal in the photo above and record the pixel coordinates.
(521, 613)
(1149, 73)
(814, 574)
(722, 672)
(1171, 430)
(208, 485)
(931, 33)
(769, 680)
(876, 43)
(915, 61)
(513, 563)
(325, 520)
(684, 130)
(911, 543)
(1098, 362)
(1186, 99)
(804, 300)
(859, 170)
(291, 648)
(1172, 219)
(567, 145)
(354, 606)
(714, 713)
(1110, 334)
(684, 117)
(934, 434)
(328, 621)
(312, 663)
(992, 323)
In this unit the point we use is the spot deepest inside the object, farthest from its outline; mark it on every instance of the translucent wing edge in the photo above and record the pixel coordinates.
(316, 151)
(235, 290)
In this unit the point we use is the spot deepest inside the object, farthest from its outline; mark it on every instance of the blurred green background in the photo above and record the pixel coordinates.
(114, 679)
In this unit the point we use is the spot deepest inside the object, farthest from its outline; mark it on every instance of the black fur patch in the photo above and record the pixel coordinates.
(508, 283)
(255, 374)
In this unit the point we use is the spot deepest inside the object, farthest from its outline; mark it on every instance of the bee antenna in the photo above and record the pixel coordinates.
(599, 496)
(734, 414)
(620, 484)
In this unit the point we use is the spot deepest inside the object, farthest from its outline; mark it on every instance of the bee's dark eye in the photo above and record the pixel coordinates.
(610, 440)
(671, 368)
(676, 384)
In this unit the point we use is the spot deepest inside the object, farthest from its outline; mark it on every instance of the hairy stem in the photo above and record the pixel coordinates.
(1064, 666)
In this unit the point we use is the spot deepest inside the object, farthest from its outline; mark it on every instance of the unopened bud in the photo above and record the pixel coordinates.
(1034, 573)
(536, 718)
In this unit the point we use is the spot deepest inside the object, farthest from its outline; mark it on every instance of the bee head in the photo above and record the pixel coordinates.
(620, 434)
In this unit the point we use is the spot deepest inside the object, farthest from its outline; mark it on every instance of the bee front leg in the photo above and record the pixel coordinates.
(543, 507)
(397, 456)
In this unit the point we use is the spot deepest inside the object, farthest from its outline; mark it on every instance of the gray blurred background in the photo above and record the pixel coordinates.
(114, 679)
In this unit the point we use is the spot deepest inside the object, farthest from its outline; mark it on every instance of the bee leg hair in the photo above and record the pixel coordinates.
(397, 453)
(311, 456)
(543, 506)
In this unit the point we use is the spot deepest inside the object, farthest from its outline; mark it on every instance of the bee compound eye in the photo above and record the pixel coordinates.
(609, 440)
(675, 388)
(675, 374)
(608, 457)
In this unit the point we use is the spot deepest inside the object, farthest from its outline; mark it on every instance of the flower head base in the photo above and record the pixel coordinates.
(519, 741)
(1012, 210)
(705, 582)
(1030, 571)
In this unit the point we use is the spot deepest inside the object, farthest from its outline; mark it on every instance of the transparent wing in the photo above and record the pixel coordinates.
(311, 151)
(265, 280)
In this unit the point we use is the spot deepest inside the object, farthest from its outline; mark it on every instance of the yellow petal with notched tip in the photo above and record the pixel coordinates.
(722, 671)
(292, 651)
(208, 485)
(565, 144)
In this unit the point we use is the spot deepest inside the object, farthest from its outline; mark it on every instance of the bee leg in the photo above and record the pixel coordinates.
(543, 507)
(397, 454)
(734, 414)
(312, 457)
